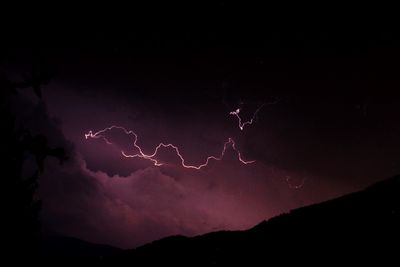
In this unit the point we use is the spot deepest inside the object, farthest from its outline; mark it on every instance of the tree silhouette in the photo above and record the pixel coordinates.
(20, 205)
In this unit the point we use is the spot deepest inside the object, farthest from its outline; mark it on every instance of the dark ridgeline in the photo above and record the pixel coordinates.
(20, 205)
(357, 228)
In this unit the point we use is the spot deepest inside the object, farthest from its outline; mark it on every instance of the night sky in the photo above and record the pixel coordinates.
(330, 128)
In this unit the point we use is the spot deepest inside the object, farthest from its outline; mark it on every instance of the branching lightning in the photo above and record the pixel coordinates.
(152, 157)
(242, 123)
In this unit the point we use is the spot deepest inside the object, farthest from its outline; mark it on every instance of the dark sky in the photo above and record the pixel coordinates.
(333, 129)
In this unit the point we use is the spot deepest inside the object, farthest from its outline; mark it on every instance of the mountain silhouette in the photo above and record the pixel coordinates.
(61, 249)
(355, 228)
(358, 227)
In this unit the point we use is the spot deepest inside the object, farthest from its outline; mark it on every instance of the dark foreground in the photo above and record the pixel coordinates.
(355, 228)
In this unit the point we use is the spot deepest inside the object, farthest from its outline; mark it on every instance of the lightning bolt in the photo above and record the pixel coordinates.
(249, 122)
(152, 157)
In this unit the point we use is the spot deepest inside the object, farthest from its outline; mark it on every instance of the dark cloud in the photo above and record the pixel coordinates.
(120, 202)
(102, 197)
(334, 127)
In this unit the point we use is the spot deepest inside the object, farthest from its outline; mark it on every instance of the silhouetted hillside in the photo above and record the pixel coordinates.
(58, 249)
(354, 228)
